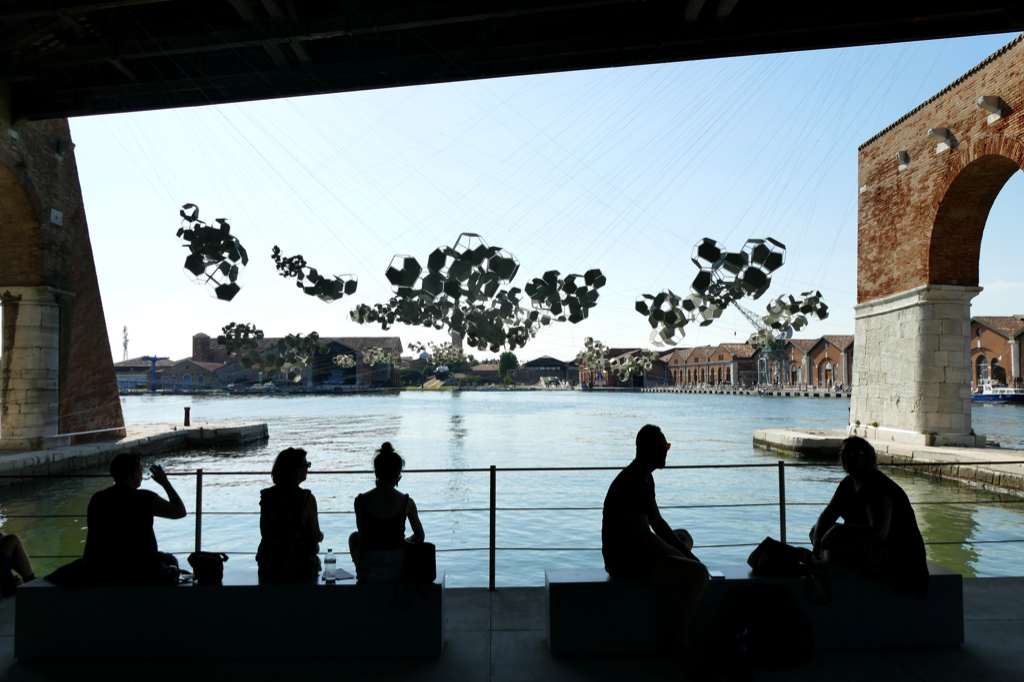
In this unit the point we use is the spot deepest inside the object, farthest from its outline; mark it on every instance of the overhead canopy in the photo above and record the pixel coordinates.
(75, 58)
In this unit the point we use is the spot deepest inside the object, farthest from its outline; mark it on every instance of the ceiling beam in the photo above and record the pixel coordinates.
(30, 9)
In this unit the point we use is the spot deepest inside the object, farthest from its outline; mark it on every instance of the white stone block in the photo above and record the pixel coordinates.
(940, 358)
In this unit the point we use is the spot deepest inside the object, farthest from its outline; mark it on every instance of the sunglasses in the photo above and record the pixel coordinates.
(305, 465)
(668, 446)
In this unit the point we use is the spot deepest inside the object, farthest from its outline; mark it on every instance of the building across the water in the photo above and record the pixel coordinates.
(996, 349)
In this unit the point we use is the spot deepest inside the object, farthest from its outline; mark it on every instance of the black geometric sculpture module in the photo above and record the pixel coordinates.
(214, 253)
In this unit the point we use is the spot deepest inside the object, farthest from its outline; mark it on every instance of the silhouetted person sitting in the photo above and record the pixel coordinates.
(121, 548)
(378, 547)
(639, 545)
(13, 557)
(879, 535)
(289, 526)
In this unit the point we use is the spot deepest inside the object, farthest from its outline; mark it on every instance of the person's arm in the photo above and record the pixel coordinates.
(312, 520)
(826, 520)
(172, 507)
(879, 517)
(665, 532)
(414, 521)
(641, 526)
(358, 506)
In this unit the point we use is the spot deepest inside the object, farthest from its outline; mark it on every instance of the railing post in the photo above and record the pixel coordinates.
(494, 476)
(782, 500)
(199, 510)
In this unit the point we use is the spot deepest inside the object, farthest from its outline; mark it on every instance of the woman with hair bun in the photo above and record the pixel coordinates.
(378, 547)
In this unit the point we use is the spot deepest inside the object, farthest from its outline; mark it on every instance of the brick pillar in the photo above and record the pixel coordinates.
(911, 367)
(29, 403)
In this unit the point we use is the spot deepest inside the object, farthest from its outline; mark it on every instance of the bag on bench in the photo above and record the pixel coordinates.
(778, 560)
(420, 562)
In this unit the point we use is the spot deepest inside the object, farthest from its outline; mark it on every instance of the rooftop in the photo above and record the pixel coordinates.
(1008, 326)
(499, 636)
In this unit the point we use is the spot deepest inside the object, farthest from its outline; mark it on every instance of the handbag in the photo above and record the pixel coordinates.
(208, 567)
(420, 562)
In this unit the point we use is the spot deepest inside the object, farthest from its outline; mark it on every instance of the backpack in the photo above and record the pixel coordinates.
(762, 628)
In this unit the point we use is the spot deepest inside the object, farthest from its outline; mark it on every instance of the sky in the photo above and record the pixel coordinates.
(622, 169)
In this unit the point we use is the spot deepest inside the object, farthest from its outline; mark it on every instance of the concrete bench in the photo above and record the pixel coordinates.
(590, 614)
(237, 620)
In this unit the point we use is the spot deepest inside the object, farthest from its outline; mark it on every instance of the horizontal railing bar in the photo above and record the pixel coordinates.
(483, 509)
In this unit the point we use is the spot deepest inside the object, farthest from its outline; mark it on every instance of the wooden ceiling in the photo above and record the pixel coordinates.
(76, 58)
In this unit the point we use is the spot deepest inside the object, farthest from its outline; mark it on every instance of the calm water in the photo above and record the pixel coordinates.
(469, 430)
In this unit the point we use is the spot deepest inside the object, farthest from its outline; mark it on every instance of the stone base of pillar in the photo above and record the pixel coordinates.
(911, 368)
(888, 435)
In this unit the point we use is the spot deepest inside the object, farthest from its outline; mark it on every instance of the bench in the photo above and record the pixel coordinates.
(590, 614)
(239, 619)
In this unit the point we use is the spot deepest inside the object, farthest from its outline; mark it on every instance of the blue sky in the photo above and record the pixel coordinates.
(620, 169)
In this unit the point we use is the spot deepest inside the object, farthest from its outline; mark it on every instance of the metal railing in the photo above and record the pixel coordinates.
(493, 509)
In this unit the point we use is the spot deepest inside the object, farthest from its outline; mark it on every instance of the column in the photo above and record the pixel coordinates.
(911, 367)
(1014, 361)
(29, 402)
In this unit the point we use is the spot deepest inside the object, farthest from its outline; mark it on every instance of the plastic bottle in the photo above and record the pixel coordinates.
(329, 566)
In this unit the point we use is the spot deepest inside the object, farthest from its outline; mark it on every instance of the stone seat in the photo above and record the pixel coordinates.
(239, 619)
(589, 614)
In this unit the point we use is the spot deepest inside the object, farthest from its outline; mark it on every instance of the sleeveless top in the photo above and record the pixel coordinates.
(377, 533)
(287, 549)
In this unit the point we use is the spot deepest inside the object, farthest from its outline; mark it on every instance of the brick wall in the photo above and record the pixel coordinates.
(41, 248)
(923, 225)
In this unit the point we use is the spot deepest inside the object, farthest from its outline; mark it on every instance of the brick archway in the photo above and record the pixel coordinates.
(922, 211)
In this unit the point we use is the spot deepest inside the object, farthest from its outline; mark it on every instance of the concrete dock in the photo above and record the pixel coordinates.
(962, 464)
(147, 438)
(499, 636)
(788, 392)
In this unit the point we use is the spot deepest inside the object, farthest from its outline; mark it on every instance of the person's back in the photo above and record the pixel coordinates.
(289, 523)
(287, 548)
(121, 536)
(625, 555)
(382, 523)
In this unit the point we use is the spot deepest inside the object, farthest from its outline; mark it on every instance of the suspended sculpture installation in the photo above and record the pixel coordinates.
(724, 279)
(594, 357)
(460, 290)
(214, 253)
(290, 355)
(312, 283)
(442, 354)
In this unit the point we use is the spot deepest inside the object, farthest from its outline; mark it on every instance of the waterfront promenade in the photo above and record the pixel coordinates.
(499, 636)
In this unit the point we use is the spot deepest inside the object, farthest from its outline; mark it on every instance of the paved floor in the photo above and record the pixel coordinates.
(499, 636)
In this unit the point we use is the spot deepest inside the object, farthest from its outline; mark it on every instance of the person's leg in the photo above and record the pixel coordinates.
(693, 578)
(12, 547)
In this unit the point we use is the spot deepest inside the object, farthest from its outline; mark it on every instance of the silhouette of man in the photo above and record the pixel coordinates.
(121, 546)
(639, 545)
(13, 557)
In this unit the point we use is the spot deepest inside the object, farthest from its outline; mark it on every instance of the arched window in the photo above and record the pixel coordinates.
(982, 369)
(201, 379)
(186, 379)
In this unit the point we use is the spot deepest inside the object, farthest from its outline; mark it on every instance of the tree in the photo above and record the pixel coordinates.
(506, 362)
(411, 377)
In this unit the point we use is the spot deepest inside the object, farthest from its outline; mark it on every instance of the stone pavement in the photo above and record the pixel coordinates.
(147, 438)
(499, 636)
(959, 463)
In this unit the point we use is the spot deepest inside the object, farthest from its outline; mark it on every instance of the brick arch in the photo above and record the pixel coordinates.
(961, 205)
(22, 240)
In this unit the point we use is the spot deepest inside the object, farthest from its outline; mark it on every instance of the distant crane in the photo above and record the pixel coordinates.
(125, 336)
(153, 360)
(773, 362)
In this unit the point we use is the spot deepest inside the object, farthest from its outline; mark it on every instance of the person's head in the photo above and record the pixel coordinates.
(651, 446)
(388, 465)
(857, 456)
(290, 467)
(126, 468)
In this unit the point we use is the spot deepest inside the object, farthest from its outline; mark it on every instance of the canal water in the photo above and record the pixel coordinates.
(444, 430)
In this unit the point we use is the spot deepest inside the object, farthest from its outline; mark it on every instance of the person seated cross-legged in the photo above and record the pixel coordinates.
(120, 548)
(289, 523)
(880, 536)
(13, 557)
(639, 545)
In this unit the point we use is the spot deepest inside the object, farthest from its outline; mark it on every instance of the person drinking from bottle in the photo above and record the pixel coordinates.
(120, 547)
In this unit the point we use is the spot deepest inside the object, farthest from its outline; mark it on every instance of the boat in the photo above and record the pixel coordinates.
(998, 393)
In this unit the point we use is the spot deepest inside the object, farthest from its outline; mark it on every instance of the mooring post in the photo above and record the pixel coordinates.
(782, 500)
(199, 509)
(494, 476)
(187, 422)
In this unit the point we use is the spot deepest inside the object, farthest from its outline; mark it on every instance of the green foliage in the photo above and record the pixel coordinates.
(411, 377)
(507, 361)
(507, 381)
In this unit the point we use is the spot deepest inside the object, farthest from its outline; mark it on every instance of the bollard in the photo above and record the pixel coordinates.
(187, 423)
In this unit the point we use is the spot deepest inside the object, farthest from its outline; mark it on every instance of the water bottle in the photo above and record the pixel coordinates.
(329, 563)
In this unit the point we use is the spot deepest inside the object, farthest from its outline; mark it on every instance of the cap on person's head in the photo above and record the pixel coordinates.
(649, 438)
(856, 449)
(124, 466)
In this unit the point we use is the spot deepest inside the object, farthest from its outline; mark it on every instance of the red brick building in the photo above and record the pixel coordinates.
(996, 342)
